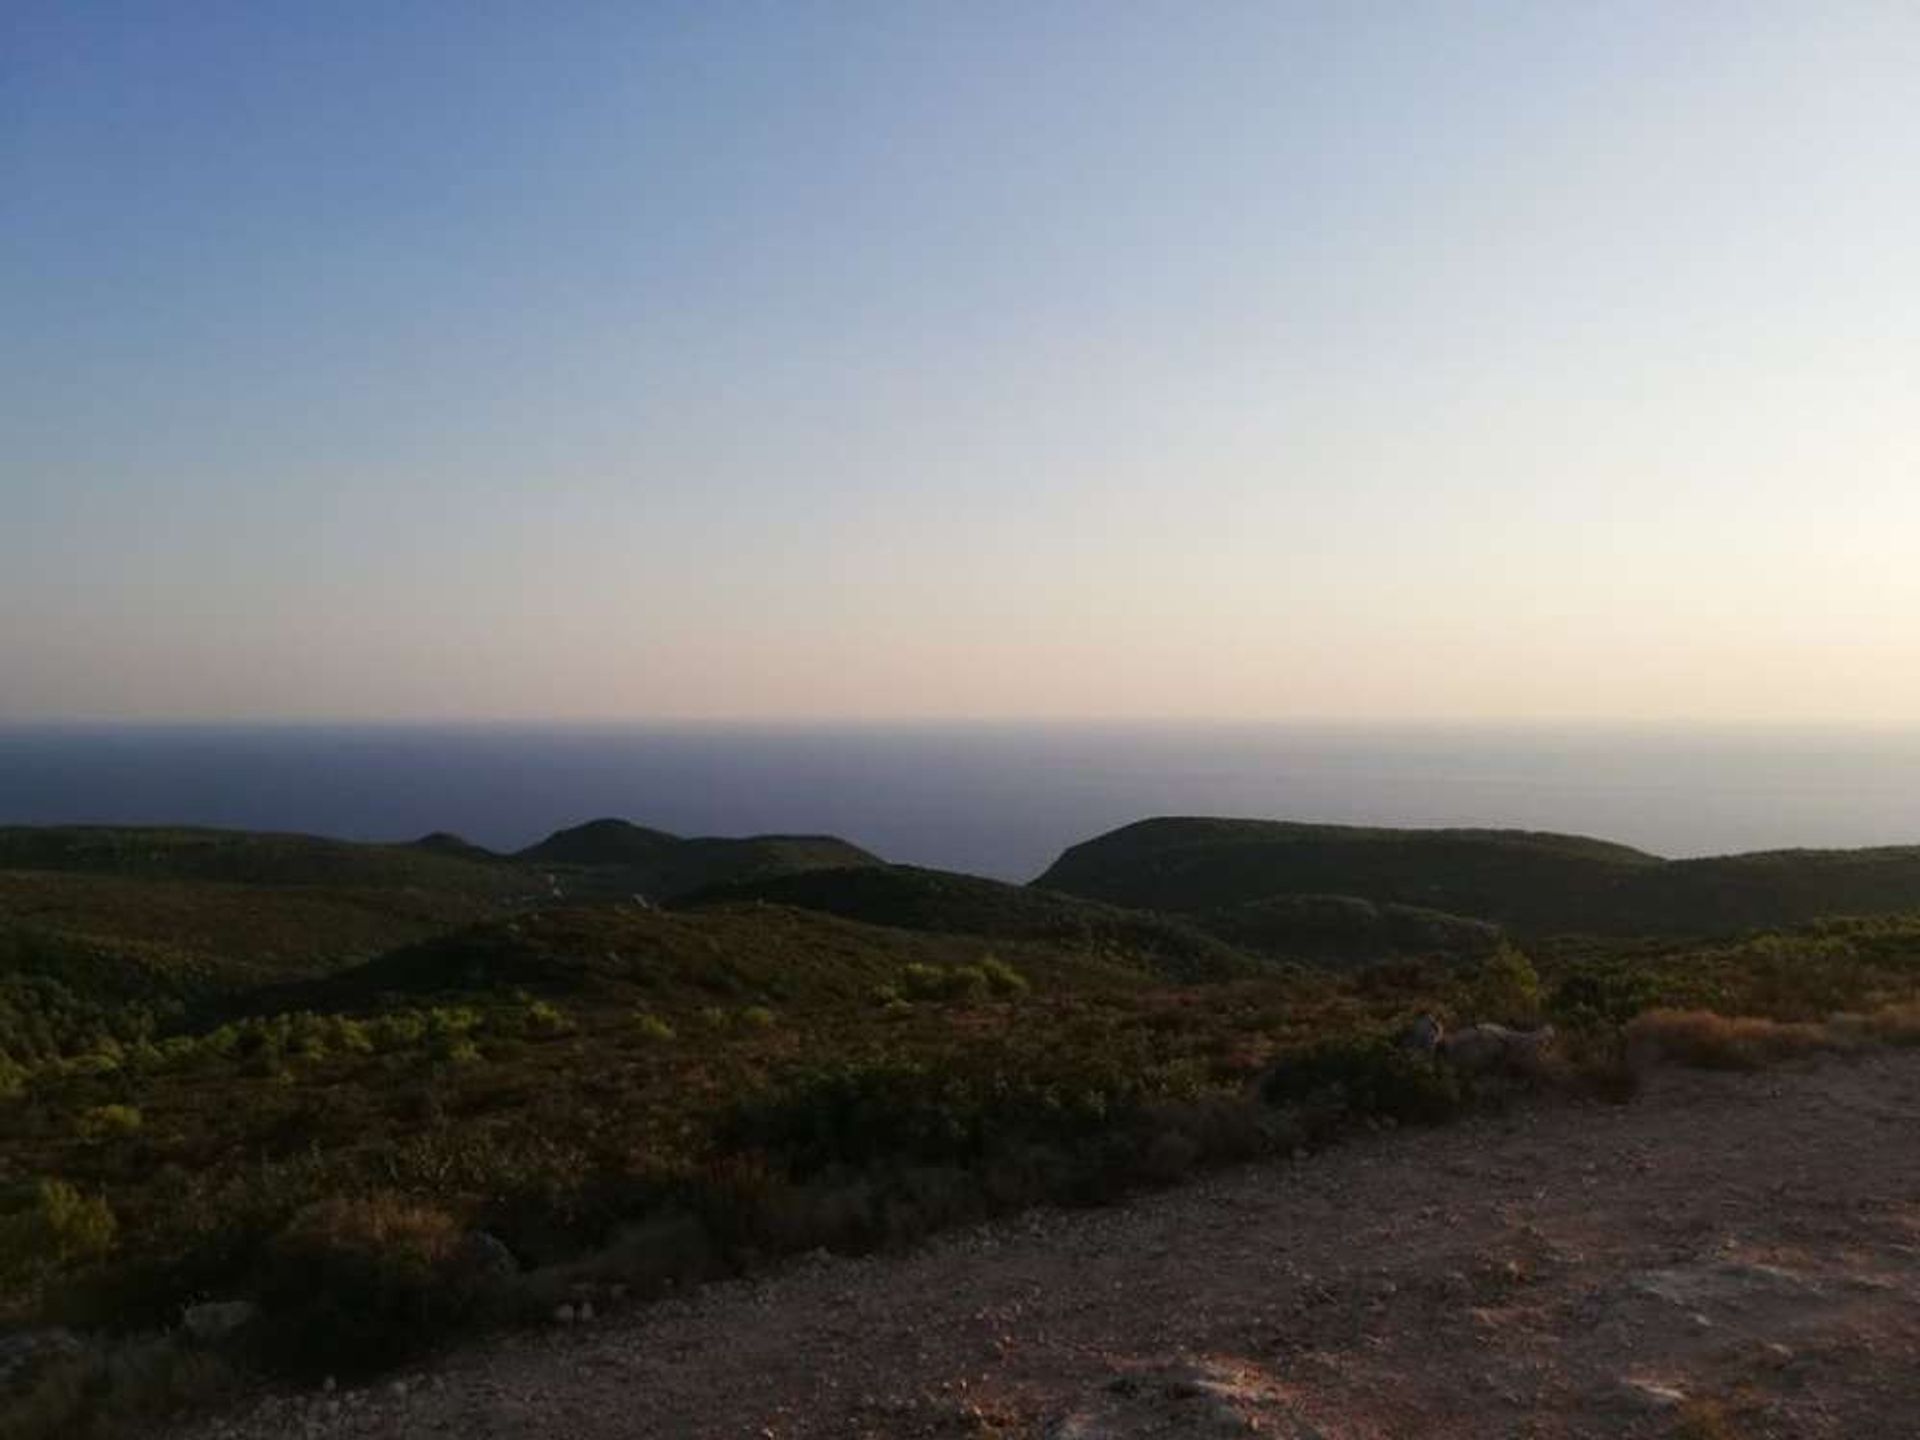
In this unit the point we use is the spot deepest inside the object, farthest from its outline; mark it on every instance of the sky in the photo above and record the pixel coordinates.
(1468, 361)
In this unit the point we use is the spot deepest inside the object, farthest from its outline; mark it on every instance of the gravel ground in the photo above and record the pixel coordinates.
(1746, 1244)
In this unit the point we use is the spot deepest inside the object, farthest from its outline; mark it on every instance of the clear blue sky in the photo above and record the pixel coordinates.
(1039, 359)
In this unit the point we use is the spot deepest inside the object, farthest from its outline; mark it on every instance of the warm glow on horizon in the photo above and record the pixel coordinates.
(1496, 363)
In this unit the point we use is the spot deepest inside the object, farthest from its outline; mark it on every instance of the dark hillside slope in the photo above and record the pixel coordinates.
(1344, 930)
(1532, 882)
(248, 857)
(909, 898)
(600, 842)
(672, 959)
(1197, 864)
(616, 859)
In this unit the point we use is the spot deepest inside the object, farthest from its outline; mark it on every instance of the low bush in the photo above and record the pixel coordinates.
(51, 1227)
(107, 1122)
(114, 1388)
(651, 1027)
(1892, 1024)
(1362, 1079)
(1718, 1042)
(1002, 978)
(355, 1285)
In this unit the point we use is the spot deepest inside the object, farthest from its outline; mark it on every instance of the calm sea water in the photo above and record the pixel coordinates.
(995, 800)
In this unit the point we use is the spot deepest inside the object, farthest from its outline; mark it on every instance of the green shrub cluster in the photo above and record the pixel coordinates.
(991, 977)
(51, 1226)
(1368, 1078)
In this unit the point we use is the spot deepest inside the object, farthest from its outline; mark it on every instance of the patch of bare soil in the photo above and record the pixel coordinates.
(1730, 1256)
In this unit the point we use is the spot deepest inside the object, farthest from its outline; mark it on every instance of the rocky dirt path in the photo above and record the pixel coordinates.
(1748, 1242)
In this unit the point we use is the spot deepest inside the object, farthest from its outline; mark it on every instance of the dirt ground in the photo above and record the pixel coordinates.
(1729, 1256)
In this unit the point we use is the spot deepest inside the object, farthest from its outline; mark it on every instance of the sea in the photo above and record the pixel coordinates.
(992, 799)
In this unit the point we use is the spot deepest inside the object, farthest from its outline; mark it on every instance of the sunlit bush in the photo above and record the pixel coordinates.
(55, 1226)
(107, 1122)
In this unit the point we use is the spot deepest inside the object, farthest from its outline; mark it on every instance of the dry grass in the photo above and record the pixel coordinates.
(375, 1224)
(1712, 1041)
(1889, 1025)
(1702, 1419)
(1719, 1042)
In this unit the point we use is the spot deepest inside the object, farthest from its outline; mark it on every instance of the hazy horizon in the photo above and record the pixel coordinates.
(999, 800)
(1502, 363)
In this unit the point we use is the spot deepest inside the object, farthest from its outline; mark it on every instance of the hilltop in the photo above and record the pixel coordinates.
(617, 858)
(1533, 882)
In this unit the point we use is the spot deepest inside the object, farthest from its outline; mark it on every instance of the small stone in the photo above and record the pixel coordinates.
(584, 1311)
(329, 1385)
(1652, 1395)
(563, 1314)
(398, 1389)
(1775, 1356)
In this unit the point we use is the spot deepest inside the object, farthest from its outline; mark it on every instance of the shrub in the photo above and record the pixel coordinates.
(1503, 987)
(360, 1284)
(1596, 999)
(651, 1027)
(940, 982)
(757, 1017)
(57, 1226)
(922, 982)
(350, 1037)
(1705, 1419)
(547, 1020)
(1894, 1024)
(1363, 1079)
(1719, 1042)
(399, 1031)
(107, 1122)
(1598, 1064)
(113, 1388)
(1002, 978)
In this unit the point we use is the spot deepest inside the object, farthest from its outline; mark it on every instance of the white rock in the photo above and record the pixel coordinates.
(1653, 1395)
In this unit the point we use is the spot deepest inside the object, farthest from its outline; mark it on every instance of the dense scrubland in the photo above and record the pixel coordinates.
(387, 1095)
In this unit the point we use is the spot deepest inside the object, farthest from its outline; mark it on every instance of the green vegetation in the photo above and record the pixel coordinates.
(612, 859)
(907, 897)
(1537, 884)
(612, 1092)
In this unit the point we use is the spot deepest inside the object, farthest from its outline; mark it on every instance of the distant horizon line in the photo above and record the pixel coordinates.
(957, 722)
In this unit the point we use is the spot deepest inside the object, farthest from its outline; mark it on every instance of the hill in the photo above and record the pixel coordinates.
(672, 960)
(617, 859)
(1344, 930)
(172, 916)
(1533, 882)
(907, 897)
(248, 857)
